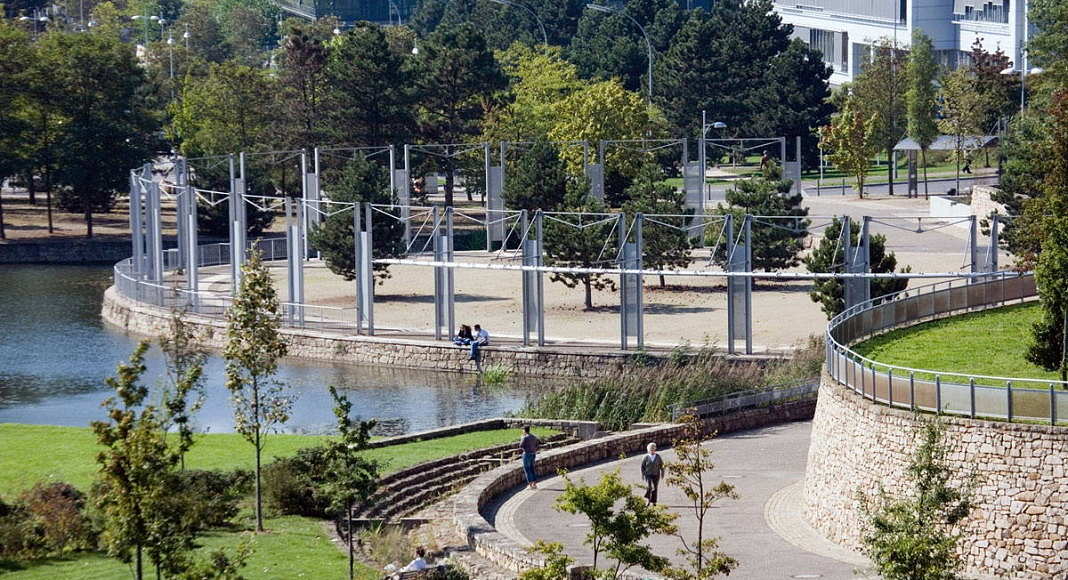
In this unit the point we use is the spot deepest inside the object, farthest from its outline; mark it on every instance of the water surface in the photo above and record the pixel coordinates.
(56, 351)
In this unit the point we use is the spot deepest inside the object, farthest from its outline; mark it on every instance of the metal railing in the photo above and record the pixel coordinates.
(972, 395)
(171, 296)
(745, 400)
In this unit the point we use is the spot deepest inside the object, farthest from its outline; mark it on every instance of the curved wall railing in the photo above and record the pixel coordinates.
(972, 395)
(214, 303)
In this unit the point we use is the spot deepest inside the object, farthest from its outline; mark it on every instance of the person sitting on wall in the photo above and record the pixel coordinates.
(481, 339)
(464, 336)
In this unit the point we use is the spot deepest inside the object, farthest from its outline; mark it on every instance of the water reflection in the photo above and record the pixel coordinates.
(55, 353)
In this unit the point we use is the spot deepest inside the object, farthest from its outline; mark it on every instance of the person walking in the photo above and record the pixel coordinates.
(528, 443)
(652, 468)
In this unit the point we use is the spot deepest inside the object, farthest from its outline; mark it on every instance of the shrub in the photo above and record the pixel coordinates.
(289, 484)
(211, 498)
(55, 512)
(495, 375)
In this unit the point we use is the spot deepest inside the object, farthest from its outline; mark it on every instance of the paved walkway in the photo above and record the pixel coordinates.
(763, 529)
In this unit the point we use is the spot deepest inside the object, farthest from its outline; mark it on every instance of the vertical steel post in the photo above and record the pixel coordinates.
(639, 242)
(392, 171)
(749, 284)
(621, 233)
(539, 226)
(439, 280)
(731, 314)
(450, 281)
(973, 247)
(524, 247)
(356, 256)
(938, 394)
(369, 271)
(971, 396)
(137, 231)
(912, 390)
(995, 241)
(1008, 400)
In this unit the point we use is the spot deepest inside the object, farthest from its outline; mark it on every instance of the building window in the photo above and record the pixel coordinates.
(994, 11)
(833, 45)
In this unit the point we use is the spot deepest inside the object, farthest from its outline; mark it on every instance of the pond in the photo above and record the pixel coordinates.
(56, 352)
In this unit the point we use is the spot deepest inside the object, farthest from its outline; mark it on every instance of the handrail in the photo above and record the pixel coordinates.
(926, 389)
(744, 399)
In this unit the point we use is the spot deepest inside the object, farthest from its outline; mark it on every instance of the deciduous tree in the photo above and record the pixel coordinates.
(852, 140)
(921, 98)
(963, 110)
(254, 345)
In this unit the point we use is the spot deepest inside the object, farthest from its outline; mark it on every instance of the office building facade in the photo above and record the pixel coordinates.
(846, 30)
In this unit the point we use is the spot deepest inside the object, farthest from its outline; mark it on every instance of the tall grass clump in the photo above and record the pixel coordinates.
(645, 393)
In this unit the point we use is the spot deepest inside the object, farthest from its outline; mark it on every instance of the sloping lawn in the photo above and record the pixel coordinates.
(293, 547)
(992, 342)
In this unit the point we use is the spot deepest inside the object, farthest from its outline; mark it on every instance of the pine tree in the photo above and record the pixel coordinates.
(254, 345)
(921, 96)
(830, 257)
(581, 244)
(914, 536)
(538, 180)
(359, 181)
(777, 244)
(663, 247)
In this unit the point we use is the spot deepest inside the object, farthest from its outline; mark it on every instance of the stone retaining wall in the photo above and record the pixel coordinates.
(74, 251)
(569, 363)
(1020, 525)
(471, 502)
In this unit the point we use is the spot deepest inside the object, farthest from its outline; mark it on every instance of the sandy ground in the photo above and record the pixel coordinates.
(689, 309)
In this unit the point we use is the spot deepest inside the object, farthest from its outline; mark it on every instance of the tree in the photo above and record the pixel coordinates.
(249, 27)
(997, 91)
(253, 348)
(538, 79)
(830, 257)
(963, 108)
(851, 139)
(135, 493)
(16, 58)
(776, 244)
(538, 180)
(1050, 341)
(371, 97)
(184, 362)
(618, 532)
(608, 46)
(359, 181)
(605, 111)
(1048, 48)
(556, 562)
(879, 94)
(300, 120)
(663, 246)
(922, 105)
(688, 472)
(455, 70)
(581, 241)
(350, 478)
(913, 536)
(205, 39)
(106, 121)
(225, 112)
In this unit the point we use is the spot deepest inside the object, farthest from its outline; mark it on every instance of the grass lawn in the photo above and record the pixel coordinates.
(294, 547)
(32, 453)
(993, 342)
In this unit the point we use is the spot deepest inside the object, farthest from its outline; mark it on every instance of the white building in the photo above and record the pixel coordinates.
(845, 30)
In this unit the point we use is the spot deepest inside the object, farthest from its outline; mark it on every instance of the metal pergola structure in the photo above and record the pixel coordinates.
(431, 244)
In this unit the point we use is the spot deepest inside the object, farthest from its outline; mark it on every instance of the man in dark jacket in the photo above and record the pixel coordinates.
(652, 468)
(529, 445)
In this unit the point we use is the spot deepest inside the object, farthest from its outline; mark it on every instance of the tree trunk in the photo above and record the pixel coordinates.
(31, 189)
(48, 200)
(138, 570)
(923, 156)
(3, 234)
(88, 222)
(663, 282)
(259, 449)
(890, 168)
(450, 179)
(348, 528)
(588, 283)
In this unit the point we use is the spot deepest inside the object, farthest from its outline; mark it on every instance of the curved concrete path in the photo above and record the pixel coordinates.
(763, 529)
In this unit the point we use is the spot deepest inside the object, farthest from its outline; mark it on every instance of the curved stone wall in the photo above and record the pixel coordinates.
(1019, 528)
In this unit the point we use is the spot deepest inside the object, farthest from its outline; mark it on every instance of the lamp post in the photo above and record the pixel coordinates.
(393, 7)
(702, 155)
(170, 48)
(541, 25)
(648, 44)
(1024, 73)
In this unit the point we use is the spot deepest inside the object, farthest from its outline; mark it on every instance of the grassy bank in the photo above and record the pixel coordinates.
(35, 453)
(646, 393)
(294, 547)
(992, 342)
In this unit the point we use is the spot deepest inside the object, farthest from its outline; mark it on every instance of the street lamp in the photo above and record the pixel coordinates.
(415, 47)
(170, 47)
(544, 37)
(702, 156)
(1024, 73)
(648, 44)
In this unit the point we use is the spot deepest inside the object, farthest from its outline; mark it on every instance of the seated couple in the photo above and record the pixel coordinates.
(475, 340)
